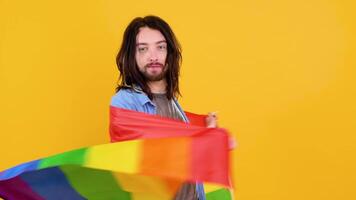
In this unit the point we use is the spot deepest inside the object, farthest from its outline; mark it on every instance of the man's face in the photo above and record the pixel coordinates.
(151, 54)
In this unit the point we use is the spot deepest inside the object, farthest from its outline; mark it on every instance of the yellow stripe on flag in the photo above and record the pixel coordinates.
(144, 185)
(145, 196)
(122, 157)
(209, 187)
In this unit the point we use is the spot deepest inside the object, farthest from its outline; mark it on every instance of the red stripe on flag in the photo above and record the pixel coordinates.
(127, 125)
(210, 158)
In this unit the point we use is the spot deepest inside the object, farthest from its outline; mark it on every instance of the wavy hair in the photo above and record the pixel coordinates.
(130, 75)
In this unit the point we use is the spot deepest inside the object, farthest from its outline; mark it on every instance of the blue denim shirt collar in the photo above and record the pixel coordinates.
(143, 98)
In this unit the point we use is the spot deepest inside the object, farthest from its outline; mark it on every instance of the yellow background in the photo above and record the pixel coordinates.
(280, 74)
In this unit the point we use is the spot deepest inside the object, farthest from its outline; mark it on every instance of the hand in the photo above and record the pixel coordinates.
(232, 143)
(211, 120)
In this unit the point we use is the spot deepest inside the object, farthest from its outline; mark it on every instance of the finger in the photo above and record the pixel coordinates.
(213, 115)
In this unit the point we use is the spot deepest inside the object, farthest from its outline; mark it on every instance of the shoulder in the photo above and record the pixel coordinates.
(124, 98)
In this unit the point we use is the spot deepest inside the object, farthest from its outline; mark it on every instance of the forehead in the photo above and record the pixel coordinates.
(149, 36)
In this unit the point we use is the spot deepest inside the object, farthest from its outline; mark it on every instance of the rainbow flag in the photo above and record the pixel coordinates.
(150, 162)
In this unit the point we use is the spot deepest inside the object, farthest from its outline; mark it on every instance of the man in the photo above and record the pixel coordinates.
(149, 62)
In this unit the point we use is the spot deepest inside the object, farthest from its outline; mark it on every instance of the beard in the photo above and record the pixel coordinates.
(154, 76)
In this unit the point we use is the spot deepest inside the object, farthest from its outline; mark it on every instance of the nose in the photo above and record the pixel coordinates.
(153, 56)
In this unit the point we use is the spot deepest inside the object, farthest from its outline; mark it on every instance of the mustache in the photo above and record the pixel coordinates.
(155, 64)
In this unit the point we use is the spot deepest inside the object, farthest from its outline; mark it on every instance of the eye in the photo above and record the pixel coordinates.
(142, 49)
(162, 47)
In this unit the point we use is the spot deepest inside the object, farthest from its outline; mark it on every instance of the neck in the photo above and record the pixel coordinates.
(158, 86)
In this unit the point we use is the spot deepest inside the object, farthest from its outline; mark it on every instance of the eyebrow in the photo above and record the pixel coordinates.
(159, 42)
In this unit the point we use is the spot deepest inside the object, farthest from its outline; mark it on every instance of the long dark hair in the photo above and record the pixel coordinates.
(126, 62)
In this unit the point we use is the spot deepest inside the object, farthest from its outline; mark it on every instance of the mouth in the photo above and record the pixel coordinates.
(154, 71)
(155, 65)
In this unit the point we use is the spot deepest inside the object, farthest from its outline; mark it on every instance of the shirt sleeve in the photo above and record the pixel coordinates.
(123, 99)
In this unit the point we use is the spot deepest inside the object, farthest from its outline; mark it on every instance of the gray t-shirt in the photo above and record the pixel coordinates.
(166, 108)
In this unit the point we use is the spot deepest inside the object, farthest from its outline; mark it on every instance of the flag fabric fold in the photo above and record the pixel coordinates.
(150, 157)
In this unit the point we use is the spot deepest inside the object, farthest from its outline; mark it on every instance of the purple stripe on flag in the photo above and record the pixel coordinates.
(16, 188)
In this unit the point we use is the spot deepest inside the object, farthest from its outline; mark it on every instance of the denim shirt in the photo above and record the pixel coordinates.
(135, 99)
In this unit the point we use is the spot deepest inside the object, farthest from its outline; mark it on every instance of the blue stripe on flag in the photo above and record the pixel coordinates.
(14, 171)
(52, 184)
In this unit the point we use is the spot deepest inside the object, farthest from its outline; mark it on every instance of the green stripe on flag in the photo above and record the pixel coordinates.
(221, 194)
(75, 157)
(94, 184)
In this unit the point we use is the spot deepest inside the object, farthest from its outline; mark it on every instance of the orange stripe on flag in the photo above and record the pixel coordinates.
(167, 157)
